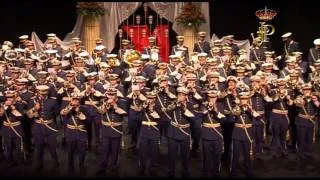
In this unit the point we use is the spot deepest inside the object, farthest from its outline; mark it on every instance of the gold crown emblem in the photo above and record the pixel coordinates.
(266, 14)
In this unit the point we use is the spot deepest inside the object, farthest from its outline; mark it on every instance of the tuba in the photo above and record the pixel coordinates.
(130, 56)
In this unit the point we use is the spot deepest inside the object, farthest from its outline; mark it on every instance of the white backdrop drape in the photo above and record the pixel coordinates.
(242, 44)
(116, 14)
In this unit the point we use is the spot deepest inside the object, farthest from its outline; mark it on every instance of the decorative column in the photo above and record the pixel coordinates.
(91, 12)
(190, 37)
(91, 32)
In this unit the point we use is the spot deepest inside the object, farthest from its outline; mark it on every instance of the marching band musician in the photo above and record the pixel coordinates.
(216, 53)
(149, 67)
(241, 75)
(290, 66)
(112, 110)
(114, 64)
(173, 69)
(267, 71)
(23, 101)
(217, 47)
(81, 70)
(23, 41)
(315, 73)
(53, 44)
(99, 55)
(257, 53)
(242, 135)
(314, 52)
(99, 42)
(43, 109)
(12, 132)
(194, 98)
(42, 79)
(152, 50)
(215, 81)
(202, 46)
(114, 82)
(64, 95)
(149, 135)
(294, 87)
(307, 106)
(179, 137)
(202, 66)
(129, 75)
(279, 117)
(135, 99)
(161, 69)
(289, 46)
(228, 58)
(258, 99)
(230, 42)
(301, 63)
(91, 96)
(74, 117)
(30, 68)
(211, 67)
(56, 65)
(181, 47)
(165, 95)
(30, 50)
(228, 99)
(123, 52)
(212, 138)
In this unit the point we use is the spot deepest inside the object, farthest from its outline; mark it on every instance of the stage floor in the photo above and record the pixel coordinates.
(270, 167)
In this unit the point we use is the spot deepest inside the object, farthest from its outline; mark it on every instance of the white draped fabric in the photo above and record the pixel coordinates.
(242, 44)
(118, 12)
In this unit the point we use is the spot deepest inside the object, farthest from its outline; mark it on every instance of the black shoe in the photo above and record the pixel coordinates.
(142, 172)
(39, 168)
(64, 142)
(101, 172)
(284, 154)
(70, 172)
(82, 170)
(56, 165)
(185, 175)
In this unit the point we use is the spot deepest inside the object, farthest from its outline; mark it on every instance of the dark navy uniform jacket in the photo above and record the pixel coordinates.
(209, 133)
(150, 132)
(13, 119)
(113, 116)
(258, 104)
(178, 116)
(203, 48)
(239, 133)
(49, 107)
(311, 110)
(72, 117)
(313, 55)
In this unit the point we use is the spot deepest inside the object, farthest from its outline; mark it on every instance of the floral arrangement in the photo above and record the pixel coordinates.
(94, 9)
(191, 16)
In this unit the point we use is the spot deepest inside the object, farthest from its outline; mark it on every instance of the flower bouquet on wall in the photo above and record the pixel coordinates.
(191, 16)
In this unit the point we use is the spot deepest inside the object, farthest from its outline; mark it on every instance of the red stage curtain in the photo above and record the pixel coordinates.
(161, 32)
(139, 37)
